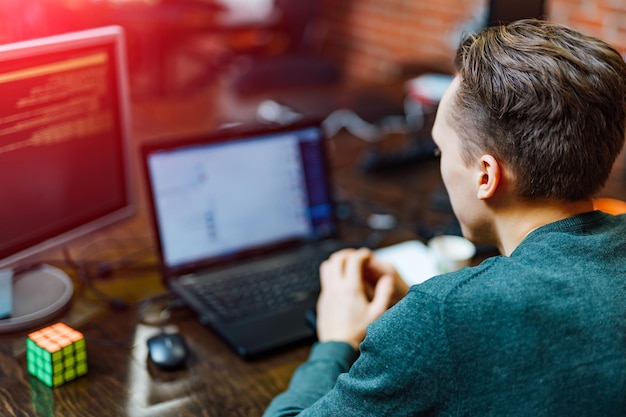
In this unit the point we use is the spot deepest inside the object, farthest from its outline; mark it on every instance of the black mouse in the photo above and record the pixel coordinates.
(168, 351)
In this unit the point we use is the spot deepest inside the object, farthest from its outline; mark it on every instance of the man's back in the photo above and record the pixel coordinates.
(542, 332)
(539, 333)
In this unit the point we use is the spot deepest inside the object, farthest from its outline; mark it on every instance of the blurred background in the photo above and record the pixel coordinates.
(181, 46)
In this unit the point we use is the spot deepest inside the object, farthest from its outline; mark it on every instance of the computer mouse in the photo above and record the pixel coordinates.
(168, 351)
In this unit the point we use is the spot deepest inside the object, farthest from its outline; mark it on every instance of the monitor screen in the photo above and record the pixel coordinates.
(64, 130)
(207, 213)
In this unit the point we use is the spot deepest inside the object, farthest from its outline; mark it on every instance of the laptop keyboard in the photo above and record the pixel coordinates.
(255, 292)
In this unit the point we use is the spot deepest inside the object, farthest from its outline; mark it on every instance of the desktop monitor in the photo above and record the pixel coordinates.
(64, 140)
(64, 158)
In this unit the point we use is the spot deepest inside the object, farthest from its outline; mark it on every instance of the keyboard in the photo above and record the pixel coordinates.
(236, 296)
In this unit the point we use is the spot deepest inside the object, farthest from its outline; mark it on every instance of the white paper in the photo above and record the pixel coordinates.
(412, 259)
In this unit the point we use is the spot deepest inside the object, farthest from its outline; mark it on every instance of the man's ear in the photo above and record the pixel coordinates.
(489, 177)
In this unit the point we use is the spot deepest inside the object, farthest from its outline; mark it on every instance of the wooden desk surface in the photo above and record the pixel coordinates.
(120, 381)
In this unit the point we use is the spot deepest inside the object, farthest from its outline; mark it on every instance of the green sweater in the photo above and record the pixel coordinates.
(539, 333)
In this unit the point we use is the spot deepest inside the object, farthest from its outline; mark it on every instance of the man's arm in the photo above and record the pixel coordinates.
(403, 367)
(356, 290)
(314, 378)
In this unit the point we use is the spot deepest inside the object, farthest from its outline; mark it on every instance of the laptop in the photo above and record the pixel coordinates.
(238, 205)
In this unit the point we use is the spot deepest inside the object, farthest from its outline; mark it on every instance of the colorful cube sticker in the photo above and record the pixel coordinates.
(56, 354)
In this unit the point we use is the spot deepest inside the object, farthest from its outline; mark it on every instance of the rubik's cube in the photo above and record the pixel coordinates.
(56, 354)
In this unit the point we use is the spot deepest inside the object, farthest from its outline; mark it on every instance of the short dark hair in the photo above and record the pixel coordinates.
(548, 101)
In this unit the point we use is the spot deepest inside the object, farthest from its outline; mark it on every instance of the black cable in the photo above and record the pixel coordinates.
(105, 268)
(171, 302)
(88, 271)
(84, 276)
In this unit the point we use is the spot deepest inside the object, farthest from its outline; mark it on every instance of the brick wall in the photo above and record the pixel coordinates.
(605, 19)
(375, 39)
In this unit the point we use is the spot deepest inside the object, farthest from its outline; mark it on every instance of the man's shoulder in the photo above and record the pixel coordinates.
(498, 283)
(442, 286)
(592, 237)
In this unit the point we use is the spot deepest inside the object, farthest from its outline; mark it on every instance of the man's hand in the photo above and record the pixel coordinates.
(356, 290)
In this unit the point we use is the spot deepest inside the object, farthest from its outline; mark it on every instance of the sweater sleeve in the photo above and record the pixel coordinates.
(403, 369)
(314, 378)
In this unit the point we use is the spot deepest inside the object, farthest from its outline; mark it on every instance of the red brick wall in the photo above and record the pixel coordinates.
(605, 19)
(372, 39)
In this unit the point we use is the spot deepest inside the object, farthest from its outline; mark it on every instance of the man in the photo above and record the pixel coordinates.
(528, 132)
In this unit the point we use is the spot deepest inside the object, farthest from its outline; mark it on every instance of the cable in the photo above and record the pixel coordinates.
(143, 316)
(361, 129)
(84, 276)
(105, 268)
(153, 313)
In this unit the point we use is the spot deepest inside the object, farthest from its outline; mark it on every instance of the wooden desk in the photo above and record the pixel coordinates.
(218, 383)
(120, 381)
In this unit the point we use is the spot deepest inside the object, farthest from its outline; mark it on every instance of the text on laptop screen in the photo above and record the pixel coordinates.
(218, 199)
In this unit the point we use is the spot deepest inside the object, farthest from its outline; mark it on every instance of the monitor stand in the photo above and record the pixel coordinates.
(39, 295)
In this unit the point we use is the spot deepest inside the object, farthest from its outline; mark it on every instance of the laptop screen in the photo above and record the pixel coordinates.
(218, 200)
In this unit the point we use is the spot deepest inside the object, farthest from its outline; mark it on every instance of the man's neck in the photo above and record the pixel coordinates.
(515, 223)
